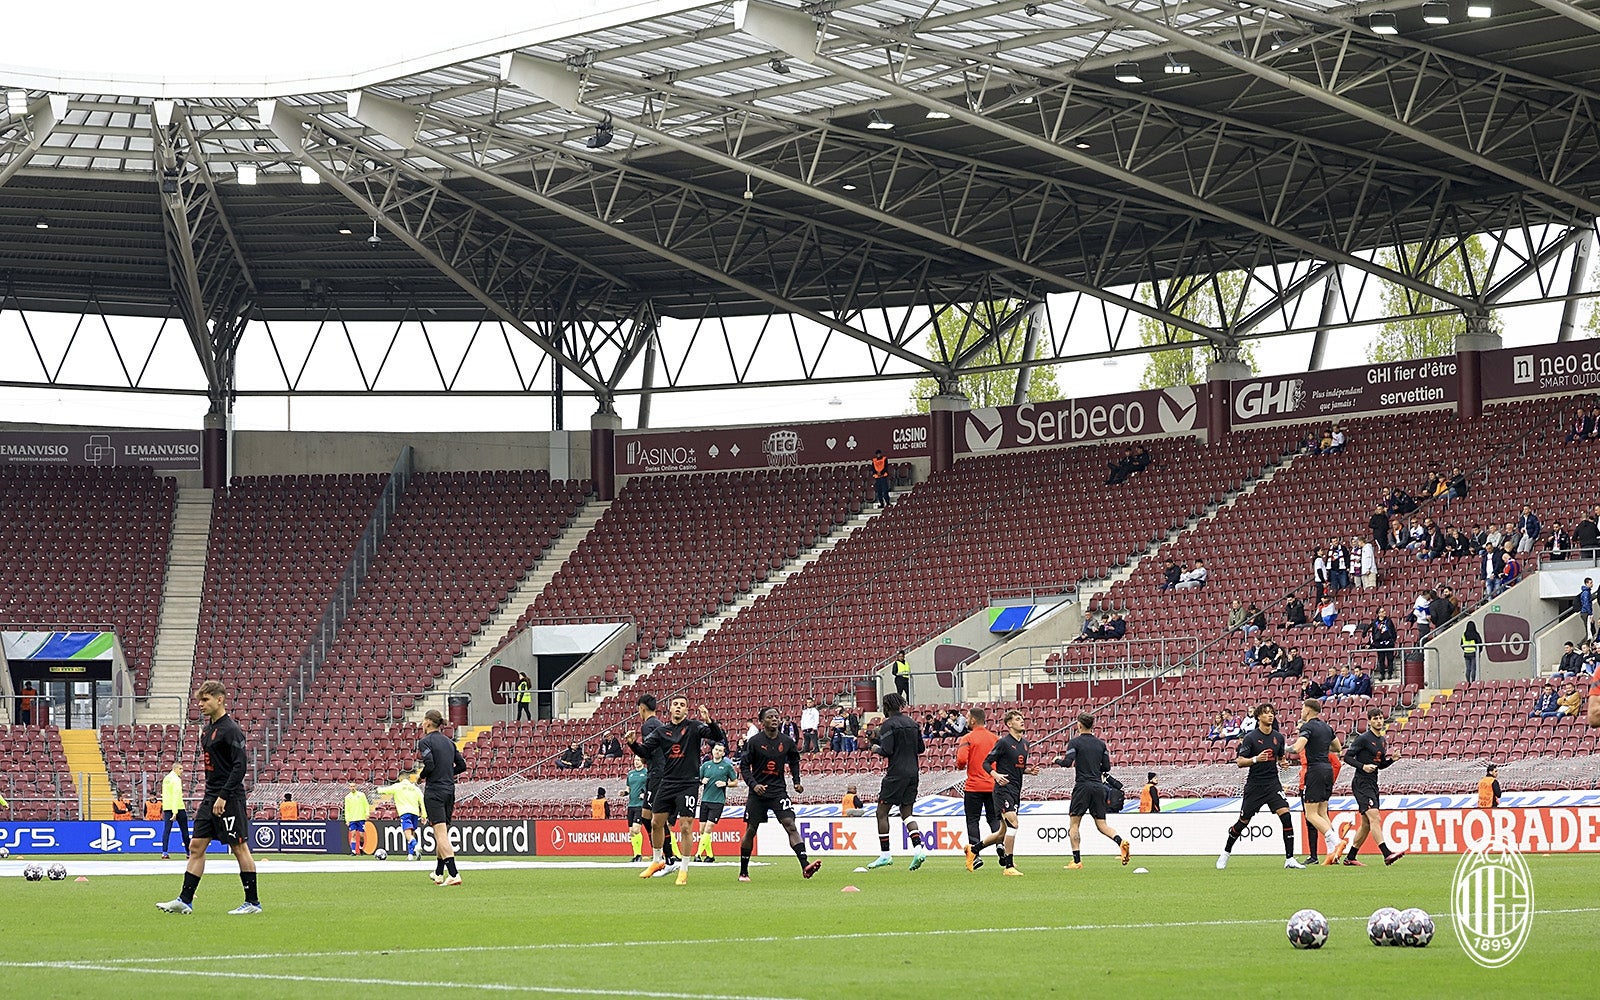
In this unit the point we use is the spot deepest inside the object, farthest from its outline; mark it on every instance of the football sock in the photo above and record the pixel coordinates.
(978, 846)
(1288, 834)
(191, 882)
(1384, 848)
(1117, 839)
(744, 860)
(800, 852)
(1313, 836)
(249, 881)
(916, 839)
(450, 865)
(438, 867)
(1077, 856)
(638, 842)
(656, 856)
(669, 847)
(883, 842)
(1233, 836)
(705, 843)
(1351, 854)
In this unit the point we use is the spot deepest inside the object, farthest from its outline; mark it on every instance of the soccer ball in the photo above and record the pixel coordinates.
(33, 873)
(5, 852)
(1308, 929)
(1383, 927)
(381, 855)
(56, 872)
(1416, 928)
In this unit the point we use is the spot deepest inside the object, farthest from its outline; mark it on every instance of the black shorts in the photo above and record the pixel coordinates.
(1256, 799)
(635, 815)
(652, 787)
(1007, 798)
(676, 800)
(711, 812)
(1366, 795)
(1319, 783)
(439, 806)
(757, 808)
(232, 827)
(898, 791)
(1089, 799)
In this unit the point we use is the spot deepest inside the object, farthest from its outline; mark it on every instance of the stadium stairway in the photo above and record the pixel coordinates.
(585, 710)
(530, 587)
(173, 663)
(88, 768)
(469, 734)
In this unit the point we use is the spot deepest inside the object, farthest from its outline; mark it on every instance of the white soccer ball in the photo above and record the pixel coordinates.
(1308, 929)
(381, 854)
(33, 873)
(5, 852)
(1416, 928)
(56, 872)
(1383, 927)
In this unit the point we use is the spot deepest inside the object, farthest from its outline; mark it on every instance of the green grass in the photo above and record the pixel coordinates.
(1182, 930)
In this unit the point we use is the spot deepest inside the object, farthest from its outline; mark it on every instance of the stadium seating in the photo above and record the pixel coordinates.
(34, 776)
(139, 757)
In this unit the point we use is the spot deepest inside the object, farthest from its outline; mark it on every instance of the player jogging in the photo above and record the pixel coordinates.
(438, 761)
(766, 754)
(977, 798)
(1262, 751)
(1369, 754)
(223, 811)
(1087, 754)
(1006, 763)
(1314, 744)
(637, 778)
(172, 808)
(408, 806)
(716, 776)
(900, 742)
(649, 722)
(677, 744)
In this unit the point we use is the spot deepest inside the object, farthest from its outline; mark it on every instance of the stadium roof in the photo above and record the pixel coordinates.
(581, 178)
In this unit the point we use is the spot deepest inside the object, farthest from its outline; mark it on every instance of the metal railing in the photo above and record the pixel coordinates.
(440, 699)
(1051, 593)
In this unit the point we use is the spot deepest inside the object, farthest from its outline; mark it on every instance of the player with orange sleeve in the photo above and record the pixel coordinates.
(978, 791)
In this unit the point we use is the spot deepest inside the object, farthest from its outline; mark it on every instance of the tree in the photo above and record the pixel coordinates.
(1193, 298)
(1428, 336)
(1591, 323)
(959, 329)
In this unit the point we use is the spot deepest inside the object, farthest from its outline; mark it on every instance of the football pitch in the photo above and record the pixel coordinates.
(1182, 929)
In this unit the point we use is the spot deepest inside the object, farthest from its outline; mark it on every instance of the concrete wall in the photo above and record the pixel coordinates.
(1513, 619)
(981, 681)
(264, 453)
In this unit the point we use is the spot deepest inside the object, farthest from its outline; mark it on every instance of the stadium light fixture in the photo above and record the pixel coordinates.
(1480, 9)
(1383, 24)
(17, 102)
(1176, 67)
(779, 67)
(936, 114)
(1080, 144)
(1128, 72)
(308, 175)
(42, 223)
(848, 186)
(263, 146)
(878, 124)
(602, 136)
(246, 173)
(1436, 12)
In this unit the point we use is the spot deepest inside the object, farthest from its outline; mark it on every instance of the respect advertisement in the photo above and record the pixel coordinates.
(174, 451)
(611, 837)
(299, 837)
(770, 447)
(1571, 366)
(1145, 413)
(1340, 392)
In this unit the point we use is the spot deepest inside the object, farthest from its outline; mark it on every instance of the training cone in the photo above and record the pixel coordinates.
(849, 888)
(80, 878)
(1141, 871)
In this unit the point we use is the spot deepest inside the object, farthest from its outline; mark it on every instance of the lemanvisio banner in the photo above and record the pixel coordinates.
(169, 451)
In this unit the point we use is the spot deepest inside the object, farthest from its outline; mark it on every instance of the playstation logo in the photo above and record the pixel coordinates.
(108, 842)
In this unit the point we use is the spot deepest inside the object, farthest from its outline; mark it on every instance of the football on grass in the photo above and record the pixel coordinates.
(1308, 929)
(381, 854)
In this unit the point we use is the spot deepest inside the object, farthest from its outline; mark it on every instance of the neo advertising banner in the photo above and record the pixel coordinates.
(1340, 392)
(782, 446)
(298, 837)
(174, 451)
(1145, 413)
(88, 837)
(610, 837)
(1511, 372)
(468, 837)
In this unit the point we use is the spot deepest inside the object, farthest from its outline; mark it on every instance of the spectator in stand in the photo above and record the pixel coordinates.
(1512, 567)
(881, 478)
(1491, 569)
(1117, 627)
(1440, 610)
(1121, 469)
(1328, 613)
(1093, 629)
(1141, 459)
(1547, 705)
(1397, 535)
(1457, 485)
(1171, 575)
(1337, 440)
(1492, 537)
(1382, 637)
(1224, 727)
(1324, 445)
(1366, 562)
(1583, 425)
(1195, 578)
(611, 747)
(1586, 537)
(1293, 666)
(1528, 530)
(1571, 662)
(571, 758)
(1437, 543)
(1419, 614)
(1269, 655)
(1378, 525)
(1236, 619)
(1361, 686)
(1584, 602)
(1294, 612)
(1591, 658)
(852, 721)
(1255, 621)
(1400, 502)
(810, 722)
(1320, 574)
(1313, 688)
(788, 728)
(1344, 683)
(1560, 543)
(1338, 565)
(1571, 700)
(839, 741)
(1458, 545)
(1470, 642)
(1417, 536)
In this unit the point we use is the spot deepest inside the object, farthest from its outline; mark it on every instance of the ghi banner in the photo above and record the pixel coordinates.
(1145, 413)
(1340, 392)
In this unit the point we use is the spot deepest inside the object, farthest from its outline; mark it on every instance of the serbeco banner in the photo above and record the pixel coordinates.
(610, 837)
(717, 448)
(1145, 413)
(87, 837)
(470, 837)
(1343, 391)
(176, 451)
(1547, 368)
(298, 837)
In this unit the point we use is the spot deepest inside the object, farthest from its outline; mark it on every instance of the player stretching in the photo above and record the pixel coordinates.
(766, 754)
(439, 762)
(717, 774)
(637, 778)
(1261, 750)
(1314, 744)
(649, 722)
(1369, 755)
(1006, 763)
(677, 744)
(900, 742)
(978, 790)
(408, 806)
(223, 812)
(1087, 754)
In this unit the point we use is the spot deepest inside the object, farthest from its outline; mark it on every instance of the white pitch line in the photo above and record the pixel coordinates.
(365, 981)
(764, 939)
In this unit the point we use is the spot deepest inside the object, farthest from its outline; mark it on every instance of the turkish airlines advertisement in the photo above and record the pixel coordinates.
(611, 837)
(1145, 413)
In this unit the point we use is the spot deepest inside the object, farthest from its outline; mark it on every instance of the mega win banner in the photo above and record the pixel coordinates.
(174, 451)
(1145, 413)
(782, 446)
(1339, 392)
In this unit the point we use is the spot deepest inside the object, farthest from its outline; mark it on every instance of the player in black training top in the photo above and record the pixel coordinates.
(677, 745)
(900, 742)
(1262, 751)
(649, 722)
(1007, 763)
(1087, 754)
(766, 754)
(223, 810)
(1314, 743)
(440, 762)
(1369, 753)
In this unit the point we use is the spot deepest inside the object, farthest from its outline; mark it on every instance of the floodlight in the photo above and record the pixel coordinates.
(1175, 67)
(936, 114)
(877, 123)
(1480, 8)
(1383, 24)
(17, 102)
(42, 223)
(1128, 72)
(308, 174)
(602, 137)
(246, 173)
(1436, 12)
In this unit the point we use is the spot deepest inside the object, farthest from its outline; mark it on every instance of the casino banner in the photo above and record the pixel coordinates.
(712, 449)
(611, 838)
